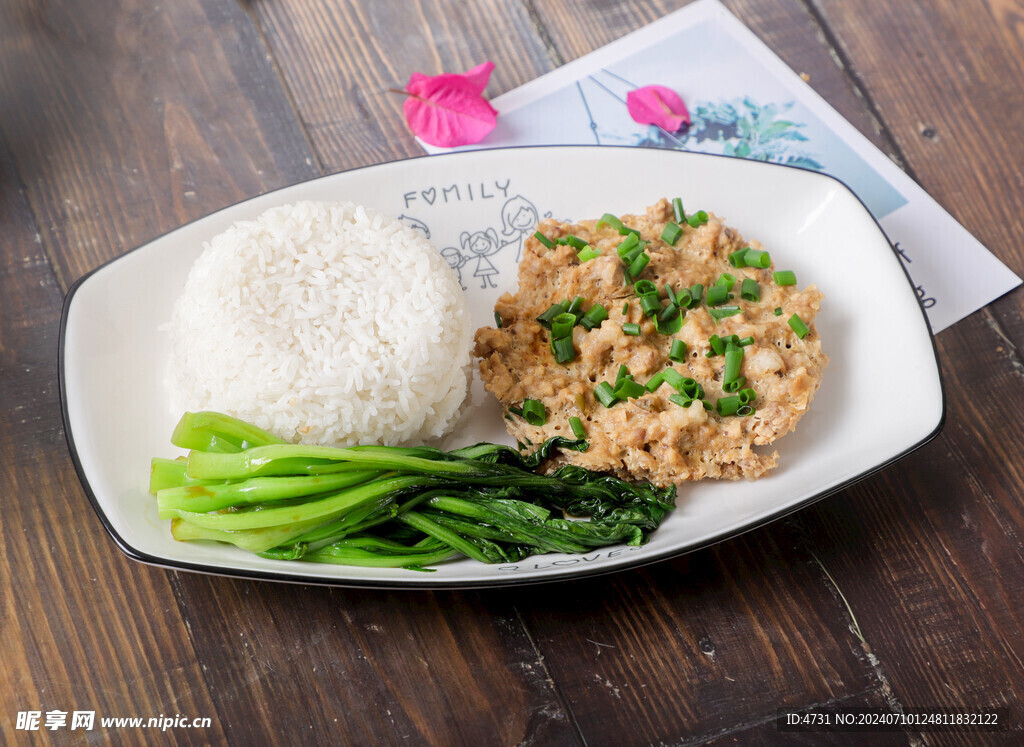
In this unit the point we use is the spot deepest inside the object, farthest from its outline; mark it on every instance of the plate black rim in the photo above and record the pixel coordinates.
(573, 573)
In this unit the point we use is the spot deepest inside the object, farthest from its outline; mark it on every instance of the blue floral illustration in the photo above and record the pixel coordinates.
(740, 128)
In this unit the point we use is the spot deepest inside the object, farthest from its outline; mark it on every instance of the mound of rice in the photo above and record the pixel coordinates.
(323, 323)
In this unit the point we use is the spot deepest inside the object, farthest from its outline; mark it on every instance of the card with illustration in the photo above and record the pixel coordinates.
(743, 102)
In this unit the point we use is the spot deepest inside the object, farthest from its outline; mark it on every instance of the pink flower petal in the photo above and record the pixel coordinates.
(658, 105)
(449, 109)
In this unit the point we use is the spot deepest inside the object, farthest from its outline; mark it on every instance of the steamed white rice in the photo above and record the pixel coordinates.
(323, 323)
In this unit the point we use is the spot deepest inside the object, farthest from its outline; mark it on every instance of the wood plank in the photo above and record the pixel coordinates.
(945, 76)
(700, 646)
(929, 555)
(75, 635)
(340, 58)
(944, 529)
(132, 121)
(220, 130)
(372, 667)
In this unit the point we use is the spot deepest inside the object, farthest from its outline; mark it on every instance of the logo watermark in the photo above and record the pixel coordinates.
(55, 720)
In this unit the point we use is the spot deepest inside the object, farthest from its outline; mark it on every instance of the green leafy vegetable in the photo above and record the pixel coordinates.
(392, 506)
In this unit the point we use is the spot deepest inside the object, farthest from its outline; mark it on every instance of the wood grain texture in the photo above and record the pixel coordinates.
(703, 646)
(946, 78)
(130, 118)
(946, 527)
(218, 125)
(371, 667)
(340, 58)
(78, 621)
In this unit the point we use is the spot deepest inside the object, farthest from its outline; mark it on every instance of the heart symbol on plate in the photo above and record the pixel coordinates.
(429, 195)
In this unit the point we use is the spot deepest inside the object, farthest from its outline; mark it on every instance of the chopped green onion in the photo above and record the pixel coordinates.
(696, 292)
(691, 388)
(747, 396)
(534, 412)
(750, 290)
(639, 263)
(697, 219)
(671, 311)
(757, 258)
(625, 308)
(650, 304)
(677, 352)
(778, 311)
(608, 220)
(588, 253)
(735, 385)
(498, 321)
(749, 340)
(717, 295)
(655, 381)
(544, 240)
(627, 231)
(631, 328)
(621, 375)
(784, 277)
(563, 349)
(671, 295)
(736, 258)
(723, 311)
(575, 242)
(727, 405)
(629, 389)
(682, 299)
(516, 410)
(575, 305)
(577, 427)
(727, 279)
(561, 325)
(604, 394)
(798, 326)
(673, 378)
(643, 287)
(677, 209)
(680, 399)
(733, 363)
(717, 345)
(594, 316)
(668, 326)
(628, 245)
(548, 316)
(671, 233)
(744, 410)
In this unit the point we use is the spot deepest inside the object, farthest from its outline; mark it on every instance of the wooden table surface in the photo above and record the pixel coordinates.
(122, 120)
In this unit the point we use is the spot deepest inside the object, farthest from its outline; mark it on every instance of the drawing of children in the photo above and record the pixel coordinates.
(518, 220)
(483, 244)
(456, 260)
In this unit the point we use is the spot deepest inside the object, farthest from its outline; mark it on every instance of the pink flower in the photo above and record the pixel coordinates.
(659, 106)
(447, 110)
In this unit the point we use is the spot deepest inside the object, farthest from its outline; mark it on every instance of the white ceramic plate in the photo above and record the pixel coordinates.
(881, 396)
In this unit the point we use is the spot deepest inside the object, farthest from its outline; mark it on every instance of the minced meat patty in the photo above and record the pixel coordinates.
(651, 438)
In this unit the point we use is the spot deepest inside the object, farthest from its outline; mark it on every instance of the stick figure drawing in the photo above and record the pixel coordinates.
(456, 260)
(482, 244)
(518, 220)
